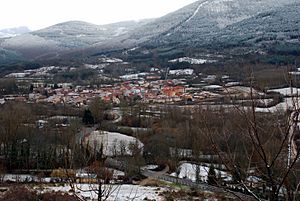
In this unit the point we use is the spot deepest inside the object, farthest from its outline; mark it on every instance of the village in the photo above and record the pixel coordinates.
(138, 108)
(154, 87)
(150, 100)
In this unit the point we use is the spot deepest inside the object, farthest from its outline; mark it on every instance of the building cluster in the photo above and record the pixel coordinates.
(146, 91)
(146, 87)
(160, 91)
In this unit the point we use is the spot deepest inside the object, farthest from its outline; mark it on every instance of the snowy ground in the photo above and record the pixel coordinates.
(288, 91)
(18, 178)
(191, 60)
(149, 167)
(288, 103)
(113, 143)
(188, 170)
(133, 76)
(182, 72)
(110, 60)
(212, 87)
(117, 193)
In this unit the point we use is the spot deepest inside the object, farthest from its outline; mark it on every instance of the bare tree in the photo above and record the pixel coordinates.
(252, 144)
(94, 177)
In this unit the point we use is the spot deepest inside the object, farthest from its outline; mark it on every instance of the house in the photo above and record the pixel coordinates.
(38, 84)
(65, 85)
(173, 91)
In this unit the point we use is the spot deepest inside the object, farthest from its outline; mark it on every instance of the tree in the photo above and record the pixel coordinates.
(26, 194)
(2, 172)
(96, 175)
(99, 109)
(88, 118)
(212, 177)
(136, 160)
(104, 187)
(256, 144)
(198, 173)
(13, 133)
(248, 143)
(8, 86)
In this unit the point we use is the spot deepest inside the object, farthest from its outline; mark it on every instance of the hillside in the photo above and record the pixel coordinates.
(223, 25)
(7, 56)
(226, 27)
(52, 41)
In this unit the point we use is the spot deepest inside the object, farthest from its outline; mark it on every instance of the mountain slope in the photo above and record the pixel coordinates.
(75, 34)
(272, 27)
(214, 18)
(225, 26)
(7, 57)
(208, 24)
(54, 40)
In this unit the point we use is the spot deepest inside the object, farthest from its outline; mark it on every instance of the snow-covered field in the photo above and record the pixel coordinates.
(113, 143)
(188, 170)
(118, 192)
(17, 75)
(288, 91)
(133, 76)
(96, 66)
(110, 60)
(191, 60)
(288, 103)
(212, 87)
(182, 72)
(18, 178)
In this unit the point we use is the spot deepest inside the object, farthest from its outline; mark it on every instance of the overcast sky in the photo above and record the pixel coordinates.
(37, 14)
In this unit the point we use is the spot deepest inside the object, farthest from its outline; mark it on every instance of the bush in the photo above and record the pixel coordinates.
(22, 193)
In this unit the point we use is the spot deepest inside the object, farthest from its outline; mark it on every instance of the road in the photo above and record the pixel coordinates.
(163, 176)
(200, 185)
(118, 113)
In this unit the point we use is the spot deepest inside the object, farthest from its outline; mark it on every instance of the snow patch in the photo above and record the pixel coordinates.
(17, 75)
(149, 167)
(288, 91)
(196, 11)
(111, 143)
(133, 76)
(119, 192)
(287, 104)
(182, 72)
(191, 60)
(110, 60)
(188, 170)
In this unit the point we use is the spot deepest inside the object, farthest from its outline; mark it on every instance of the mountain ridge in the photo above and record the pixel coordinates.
(229, 26)
(198, 22)
(66, 36)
